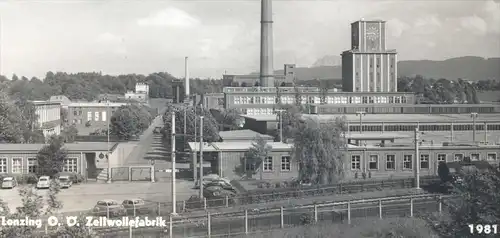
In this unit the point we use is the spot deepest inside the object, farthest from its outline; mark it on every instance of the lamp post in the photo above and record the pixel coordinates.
(172, 143)
(417, 157)
(201, 157)
(107, 143)
(360, 114)
(280, 111)
(474, 115)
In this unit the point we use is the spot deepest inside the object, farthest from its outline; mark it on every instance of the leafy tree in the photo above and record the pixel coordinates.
(291, 120)
(230, 119)
(476, 203)
(444, 172)
(210, 125)
(318, 149)
(130, 120)
(69, 133)
(64, 117)
(51, 157)
(10, 125)
(256, 155)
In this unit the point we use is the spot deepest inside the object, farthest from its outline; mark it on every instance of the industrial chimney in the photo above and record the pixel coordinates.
(266, 45)
(186, 79)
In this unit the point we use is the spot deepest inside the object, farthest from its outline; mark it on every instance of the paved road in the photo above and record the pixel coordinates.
(235, 224)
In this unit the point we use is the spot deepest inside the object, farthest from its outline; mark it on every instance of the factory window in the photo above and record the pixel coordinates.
(458, 157)
(492, 156)
(258, 100)
(89, 116)
(441, 158)
(407, 164)
(3, 165)
(424, 161)
(17, 165)
(391, 99)
(96, 117)
(370, 99)
(285, 163)
(365, 99)
(355, 162)
(390, 163)
(70, 165)
(403, 99)
(373, 162)
(474, 156)
(397, 99)
(75, 113)
(32, 165)
(268, 163)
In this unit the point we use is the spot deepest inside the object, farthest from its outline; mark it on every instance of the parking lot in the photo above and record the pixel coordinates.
(84, 196)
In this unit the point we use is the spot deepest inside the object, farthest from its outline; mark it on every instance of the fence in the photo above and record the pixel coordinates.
(251, 221)
(133, 173)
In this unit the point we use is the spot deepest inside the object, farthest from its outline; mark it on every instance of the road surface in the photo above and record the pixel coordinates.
(235, 224)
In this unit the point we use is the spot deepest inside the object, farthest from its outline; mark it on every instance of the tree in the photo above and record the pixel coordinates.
(318, 149)
(33, 207)
(129, 121)
(51, 158)
(478, 196)
(230, 119)
(69, 133)
(256, 155)
(10, 125)
(291, 120)
(444, 172)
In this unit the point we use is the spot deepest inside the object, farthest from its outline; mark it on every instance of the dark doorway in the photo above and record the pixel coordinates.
(92, 170)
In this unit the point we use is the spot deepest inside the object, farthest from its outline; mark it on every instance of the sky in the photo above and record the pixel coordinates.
(121, 37)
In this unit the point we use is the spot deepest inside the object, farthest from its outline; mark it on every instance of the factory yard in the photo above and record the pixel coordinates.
(84, 196)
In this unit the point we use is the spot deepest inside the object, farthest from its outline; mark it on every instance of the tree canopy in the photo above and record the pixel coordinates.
(130, 120)
(318, 149)
(256, 155)
(51, 158)
(441, 91)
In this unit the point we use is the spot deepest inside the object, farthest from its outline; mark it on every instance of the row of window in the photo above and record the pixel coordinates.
(70, 165)
(390, 160)
(268, 166)
(410, 109)
(457, 127)
(321, 100)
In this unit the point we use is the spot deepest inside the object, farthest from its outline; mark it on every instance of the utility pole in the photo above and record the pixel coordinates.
(174, 202)
(195, 154)
(201, 157)
(417, 158)
(360, 114)
(280, 111)
(107, 143)
(485, 133)
(474, 115)
(185, 123)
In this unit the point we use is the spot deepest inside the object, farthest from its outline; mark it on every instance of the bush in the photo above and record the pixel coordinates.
(306, 219)
(22, 178)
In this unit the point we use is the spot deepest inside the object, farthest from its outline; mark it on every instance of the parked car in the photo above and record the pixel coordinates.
(43, 182)
(109, 207)
(135, 204)
(206, 179)
(221, 182)
(9, 182)
(65, 181)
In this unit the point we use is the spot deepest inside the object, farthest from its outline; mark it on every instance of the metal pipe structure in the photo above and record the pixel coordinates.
(186, 79)
(174, 202)
(201, 157)
(474, 115)
(266, 44)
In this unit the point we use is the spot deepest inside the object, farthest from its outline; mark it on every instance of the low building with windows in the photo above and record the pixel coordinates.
(86, 158)
(91, 116)
(48, 117)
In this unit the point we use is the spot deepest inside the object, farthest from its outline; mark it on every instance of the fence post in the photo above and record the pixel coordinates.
(205, 203)
(170, 227)
(440, 204)
(411, 207)
(209, 225)
(134, 207)
(227, 201)
(46, 229)
(130, 231)
(107, 212)
(315, 213)
(380, 208)
(246, 221)
(349, 212)
(183, 205)
(159, 207)
(282, 220)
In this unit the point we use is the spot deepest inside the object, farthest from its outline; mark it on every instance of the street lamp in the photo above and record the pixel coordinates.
(417, 157)
(280, 111)
(474, 115)
(172, 143)
(360, 114)
(107, 143)
(201, 157)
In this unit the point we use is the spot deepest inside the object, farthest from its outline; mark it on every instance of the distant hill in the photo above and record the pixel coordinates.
(328, 60)
(468, 68)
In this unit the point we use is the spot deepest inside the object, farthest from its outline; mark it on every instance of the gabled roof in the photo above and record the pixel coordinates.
(242, 135)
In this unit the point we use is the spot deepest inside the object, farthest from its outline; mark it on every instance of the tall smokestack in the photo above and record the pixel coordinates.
(266, 45)
(186, 78)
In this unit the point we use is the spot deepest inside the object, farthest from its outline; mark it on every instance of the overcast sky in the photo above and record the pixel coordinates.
(119, 37)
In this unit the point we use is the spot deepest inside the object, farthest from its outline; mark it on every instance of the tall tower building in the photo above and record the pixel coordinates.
(368, 66)
(266, 45)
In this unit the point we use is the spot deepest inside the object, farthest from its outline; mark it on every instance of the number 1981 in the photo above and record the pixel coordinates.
(483, 229)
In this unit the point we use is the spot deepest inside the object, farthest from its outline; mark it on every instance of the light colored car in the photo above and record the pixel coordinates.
(135, 204)
(65, 181)
(43, 182)
(207, 179)
(9, 182)
(109, 207)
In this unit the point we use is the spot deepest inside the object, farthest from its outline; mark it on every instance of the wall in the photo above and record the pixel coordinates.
(80, 160)
(81, 116)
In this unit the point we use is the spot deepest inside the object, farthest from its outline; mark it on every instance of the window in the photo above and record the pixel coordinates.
(407, 164)
(249, 166)
(285, 163)
(474, 156)
(390, 163)
(3, 165)
(32, 165)
(75, 113)
(89, 116)
(373, 164)
(441, 158)
(458, 157)
(96, 117)
(492, 156)
(70, 165)
(424, 161)
(355, 162)
(17, 165)
(104, 116)
(268, 163)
